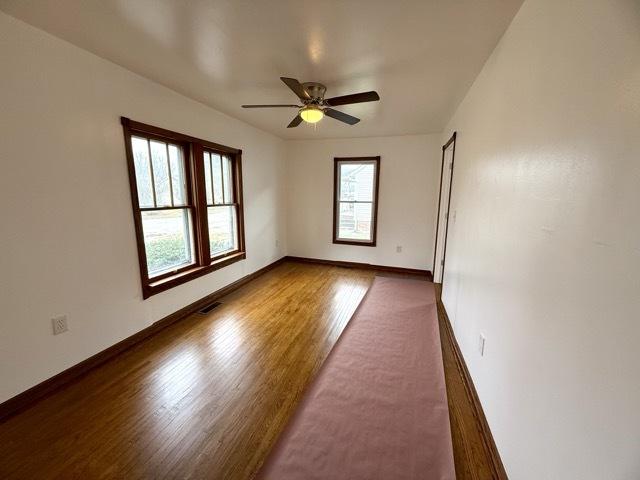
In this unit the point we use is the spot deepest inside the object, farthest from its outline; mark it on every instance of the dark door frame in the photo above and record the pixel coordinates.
(452, 140)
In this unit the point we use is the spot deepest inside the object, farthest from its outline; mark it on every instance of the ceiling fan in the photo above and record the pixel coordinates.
(314, 106)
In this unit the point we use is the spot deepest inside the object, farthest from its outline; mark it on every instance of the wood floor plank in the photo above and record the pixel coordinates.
(208, 396)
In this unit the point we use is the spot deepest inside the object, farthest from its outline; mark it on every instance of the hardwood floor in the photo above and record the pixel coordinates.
(208, 396)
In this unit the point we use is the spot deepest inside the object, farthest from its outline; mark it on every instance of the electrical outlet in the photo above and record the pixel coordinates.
(59, 324)
(277, 243)
(481, 343)
(399, 249)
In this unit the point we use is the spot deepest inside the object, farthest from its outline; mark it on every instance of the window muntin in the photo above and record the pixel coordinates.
(355, 197)
(187, 199)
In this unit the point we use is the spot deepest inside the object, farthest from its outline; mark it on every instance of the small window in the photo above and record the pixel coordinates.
(356, 200)
(187, 203)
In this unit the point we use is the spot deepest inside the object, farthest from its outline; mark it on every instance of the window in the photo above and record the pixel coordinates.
(355, 207)
(187, 203)
(222, 212)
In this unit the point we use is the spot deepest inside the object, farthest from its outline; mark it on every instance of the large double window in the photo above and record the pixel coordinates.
(355, 207)
(187, 202)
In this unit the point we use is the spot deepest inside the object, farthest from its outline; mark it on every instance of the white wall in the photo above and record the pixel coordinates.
(409, 180)
(68, 242)
(544, 256)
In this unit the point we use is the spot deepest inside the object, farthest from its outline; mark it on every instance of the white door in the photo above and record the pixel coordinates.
(443, 214)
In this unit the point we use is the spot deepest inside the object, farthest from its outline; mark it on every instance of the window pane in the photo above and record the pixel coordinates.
(161, 173)
(178, 178)
(357, 181)
(167, 239)
(228, 181)
(216, 165)
(222, 229)
(354, 222)
(207, 177)
(143, 172)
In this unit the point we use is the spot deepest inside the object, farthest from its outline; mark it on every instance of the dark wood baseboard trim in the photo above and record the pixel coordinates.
(366, 266)
(499, 471)
(27, 398)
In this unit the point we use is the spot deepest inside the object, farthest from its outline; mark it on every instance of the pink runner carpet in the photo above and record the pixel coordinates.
(378, 407)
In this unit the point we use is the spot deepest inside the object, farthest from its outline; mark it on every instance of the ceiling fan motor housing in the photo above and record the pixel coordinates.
(315, 90)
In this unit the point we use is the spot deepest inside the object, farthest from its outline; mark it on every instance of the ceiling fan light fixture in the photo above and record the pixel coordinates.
(311, 114)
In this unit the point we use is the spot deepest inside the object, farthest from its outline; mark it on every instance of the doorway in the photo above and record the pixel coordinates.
(444, 204)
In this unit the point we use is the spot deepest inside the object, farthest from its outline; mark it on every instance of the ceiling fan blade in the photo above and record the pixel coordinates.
(271, 106)
(343, 117)
(297, 88)
(353, 98)
(295, 122)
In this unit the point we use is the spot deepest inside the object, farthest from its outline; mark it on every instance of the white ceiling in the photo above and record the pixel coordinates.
(421, 56)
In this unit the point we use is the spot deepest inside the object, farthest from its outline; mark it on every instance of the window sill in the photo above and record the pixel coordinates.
(354, 242)
(179, 278)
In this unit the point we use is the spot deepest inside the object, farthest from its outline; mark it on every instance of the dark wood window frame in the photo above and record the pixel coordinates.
(336, 201)
(196, 202)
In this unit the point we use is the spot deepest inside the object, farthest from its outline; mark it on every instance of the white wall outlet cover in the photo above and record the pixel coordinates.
(59, 324)
(399, 249)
